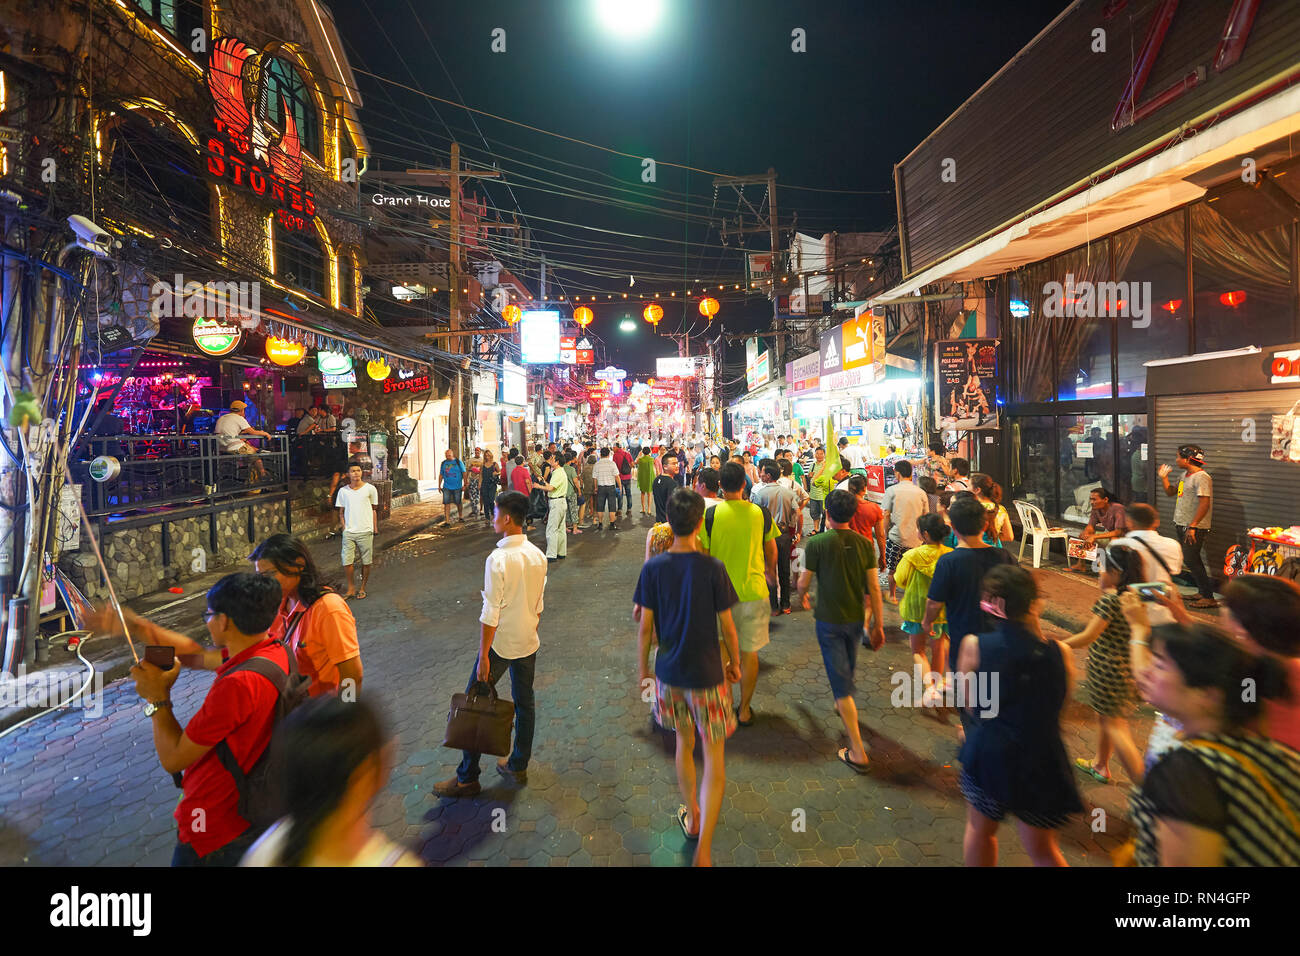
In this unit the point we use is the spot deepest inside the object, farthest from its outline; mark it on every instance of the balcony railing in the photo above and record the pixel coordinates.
(165, 471)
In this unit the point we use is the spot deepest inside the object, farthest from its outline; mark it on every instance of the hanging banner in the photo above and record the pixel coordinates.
(965, 384)
(758, 372)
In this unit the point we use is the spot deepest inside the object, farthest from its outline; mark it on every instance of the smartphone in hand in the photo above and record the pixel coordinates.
(1149, 591)
(160, 655)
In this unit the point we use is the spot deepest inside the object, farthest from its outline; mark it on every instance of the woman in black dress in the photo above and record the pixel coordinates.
(1013, 760)
(488, 478)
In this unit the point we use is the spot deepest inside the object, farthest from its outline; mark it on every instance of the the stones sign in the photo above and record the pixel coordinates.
(418, 383)
(245, 149)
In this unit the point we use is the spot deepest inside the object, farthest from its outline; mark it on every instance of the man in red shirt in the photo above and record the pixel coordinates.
(623, 461)
(239, 709)
(869, 520)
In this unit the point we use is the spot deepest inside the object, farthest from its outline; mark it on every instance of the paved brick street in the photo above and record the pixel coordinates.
(601, 789)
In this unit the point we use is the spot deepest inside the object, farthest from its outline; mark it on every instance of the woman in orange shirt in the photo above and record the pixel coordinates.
(319, 624)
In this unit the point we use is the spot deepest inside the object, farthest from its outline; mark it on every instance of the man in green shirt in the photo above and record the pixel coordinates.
(847, 589)
(743, 537)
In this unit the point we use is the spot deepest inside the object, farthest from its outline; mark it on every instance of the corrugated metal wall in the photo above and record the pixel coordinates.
(1250, 488)
(1045, 123)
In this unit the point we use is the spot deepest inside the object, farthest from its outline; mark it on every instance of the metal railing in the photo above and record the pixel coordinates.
(163, 471)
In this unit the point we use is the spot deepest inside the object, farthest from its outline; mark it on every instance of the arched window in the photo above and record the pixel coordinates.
(284, 80)
(300, 260)
(154, 177)
(178, 17)
(347, 281)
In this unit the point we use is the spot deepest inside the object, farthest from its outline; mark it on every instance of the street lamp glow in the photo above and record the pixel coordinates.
(627, 325)
(629, 18)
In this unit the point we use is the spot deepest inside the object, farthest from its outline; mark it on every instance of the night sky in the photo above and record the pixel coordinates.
(714, 86)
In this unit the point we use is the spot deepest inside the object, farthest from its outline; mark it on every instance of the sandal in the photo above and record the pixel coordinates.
(1203, 604)
(682, 814)
(1085, 765)
(361, 595)
(853, 764)
(745, 723)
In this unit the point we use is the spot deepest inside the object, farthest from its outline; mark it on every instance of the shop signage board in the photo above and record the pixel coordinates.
(676, 366)
(759, 265)
(832, 352)
(246, 149)
(539, 337)
(216, 336)
(514, 384)
(759, 371)
(586, 355)
(569, 349)
(965, 384)
(332, 380)
(1285, 367)
(803, 375)
(863, 340)
(414, 385)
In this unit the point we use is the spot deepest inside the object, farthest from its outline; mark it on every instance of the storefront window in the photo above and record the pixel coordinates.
(1086, 445)
(1032, 470)
(154, 172)
(1030, 346)
(1132, 478)
(299, 259)
(1083, 347)
(347, 282)
(1242, 278)
(285, 86)
(1151, 261)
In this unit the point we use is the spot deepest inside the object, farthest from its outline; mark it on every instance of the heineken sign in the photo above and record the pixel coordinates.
(216, 336)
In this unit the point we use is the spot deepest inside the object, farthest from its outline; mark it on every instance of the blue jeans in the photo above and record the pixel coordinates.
(521, 690)
(626, 484)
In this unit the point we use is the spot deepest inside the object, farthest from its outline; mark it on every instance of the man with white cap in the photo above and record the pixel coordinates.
(228, 430)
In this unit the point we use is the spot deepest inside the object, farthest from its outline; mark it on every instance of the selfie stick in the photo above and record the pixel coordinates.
(108, 578)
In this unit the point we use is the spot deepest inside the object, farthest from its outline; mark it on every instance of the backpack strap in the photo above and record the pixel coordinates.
(1151, 551)
(708, 520)
(279, 679)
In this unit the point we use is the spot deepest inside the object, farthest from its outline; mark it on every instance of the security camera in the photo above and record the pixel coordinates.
(90, 236)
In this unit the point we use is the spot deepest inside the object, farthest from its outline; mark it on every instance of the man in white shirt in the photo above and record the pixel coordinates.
(229, 429)
(904, 503)
(358, 507)
(605, 473)
(557, 493)
(514, 581)
(1161, 557)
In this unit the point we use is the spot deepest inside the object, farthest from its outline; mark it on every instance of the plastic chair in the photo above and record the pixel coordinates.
(1034, 525)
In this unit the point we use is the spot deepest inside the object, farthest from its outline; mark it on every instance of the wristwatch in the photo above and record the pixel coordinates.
(152, 707)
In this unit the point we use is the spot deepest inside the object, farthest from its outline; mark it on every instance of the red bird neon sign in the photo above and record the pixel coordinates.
(260, 156)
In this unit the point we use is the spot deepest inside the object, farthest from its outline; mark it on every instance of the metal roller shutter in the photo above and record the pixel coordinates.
(1250, 489)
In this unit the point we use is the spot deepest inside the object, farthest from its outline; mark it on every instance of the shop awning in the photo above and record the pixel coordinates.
(1142, 191)
(317, 326)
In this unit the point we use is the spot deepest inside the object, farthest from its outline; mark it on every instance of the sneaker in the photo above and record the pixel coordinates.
(454, 788)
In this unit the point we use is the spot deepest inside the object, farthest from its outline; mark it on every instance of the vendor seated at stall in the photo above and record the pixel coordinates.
(1108, 520)
(229, 431)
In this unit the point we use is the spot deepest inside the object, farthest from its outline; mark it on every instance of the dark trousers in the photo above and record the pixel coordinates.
(779, 593)
(228, 855)
(817, 511)
(521, 691)
(1192, 559)
(626, 484)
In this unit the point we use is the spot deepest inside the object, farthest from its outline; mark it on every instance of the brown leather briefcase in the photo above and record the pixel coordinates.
(480, 723)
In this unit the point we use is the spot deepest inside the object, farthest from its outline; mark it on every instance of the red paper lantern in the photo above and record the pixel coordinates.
(653, 313)
(709, 307)
(583, 316)
(1233, 299)
(512, 313)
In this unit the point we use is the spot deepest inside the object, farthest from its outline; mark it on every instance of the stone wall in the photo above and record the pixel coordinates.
(135, 555)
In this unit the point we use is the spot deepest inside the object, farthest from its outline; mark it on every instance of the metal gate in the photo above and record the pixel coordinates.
(1235, 429)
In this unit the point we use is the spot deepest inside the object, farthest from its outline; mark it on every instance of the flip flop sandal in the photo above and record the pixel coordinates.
(361, 595)
(1084, 765)
(682, 814)
(856, 767)
(745, 723)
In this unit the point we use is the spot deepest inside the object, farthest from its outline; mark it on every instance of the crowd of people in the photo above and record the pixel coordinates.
(284, 756)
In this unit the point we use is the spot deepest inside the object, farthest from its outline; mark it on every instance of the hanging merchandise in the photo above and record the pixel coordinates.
(1286, 435)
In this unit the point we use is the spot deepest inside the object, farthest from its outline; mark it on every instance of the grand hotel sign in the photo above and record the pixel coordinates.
(245, 149)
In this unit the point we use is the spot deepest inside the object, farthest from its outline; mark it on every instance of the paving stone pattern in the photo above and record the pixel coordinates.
(601, 789)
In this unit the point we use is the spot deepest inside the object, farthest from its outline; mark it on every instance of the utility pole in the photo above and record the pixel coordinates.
(768, 224)
(455, 251)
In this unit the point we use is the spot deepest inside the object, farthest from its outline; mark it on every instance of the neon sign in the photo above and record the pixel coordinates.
(245, 148)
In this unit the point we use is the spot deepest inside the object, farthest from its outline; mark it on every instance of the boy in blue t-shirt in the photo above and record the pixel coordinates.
(451, 482)
(685, 596)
